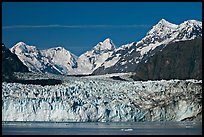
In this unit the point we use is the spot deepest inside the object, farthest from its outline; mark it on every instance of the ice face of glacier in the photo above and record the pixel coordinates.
(88, 99)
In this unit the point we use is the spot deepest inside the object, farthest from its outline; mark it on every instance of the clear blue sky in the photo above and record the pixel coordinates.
(78, 26)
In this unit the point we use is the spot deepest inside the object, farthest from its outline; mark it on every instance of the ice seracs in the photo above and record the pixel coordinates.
(102, 100)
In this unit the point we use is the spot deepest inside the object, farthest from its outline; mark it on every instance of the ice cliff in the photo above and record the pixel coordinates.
(85, 99)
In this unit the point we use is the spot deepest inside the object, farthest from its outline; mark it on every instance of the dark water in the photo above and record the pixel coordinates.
(99, 128)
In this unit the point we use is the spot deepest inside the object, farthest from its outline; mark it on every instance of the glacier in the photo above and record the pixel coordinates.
(103, 100)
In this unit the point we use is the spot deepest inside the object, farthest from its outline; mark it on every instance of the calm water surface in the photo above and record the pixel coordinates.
(100, 128)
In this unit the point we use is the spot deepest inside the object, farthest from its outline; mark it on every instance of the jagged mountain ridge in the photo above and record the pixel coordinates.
(54, 60)
(105, 57)
(156, 39)
(61, 61)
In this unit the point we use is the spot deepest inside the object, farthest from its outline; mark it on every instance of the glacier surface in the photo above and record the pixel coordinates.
(98, 100)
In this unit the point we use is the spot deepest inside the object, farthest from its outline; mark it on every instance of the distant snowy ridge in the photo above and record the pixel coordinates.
(105, 57)
(54, 60)
(86, 100)
(61, 61)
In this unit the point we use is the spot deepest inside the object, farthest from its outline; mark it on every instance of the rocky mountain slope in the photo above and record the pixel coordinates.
(10, 64)
(157, 38)
(179, 60)
(91, 60)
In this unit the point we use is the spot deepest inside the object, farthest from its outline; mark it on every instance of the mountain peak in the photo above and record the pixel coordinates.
(163, 26)
(58, 48)
(20, 43)
(164, 23)
(189, 30)
(19, 47)
(191, 23)
(107, 44)
(22, 47)
(107, 40)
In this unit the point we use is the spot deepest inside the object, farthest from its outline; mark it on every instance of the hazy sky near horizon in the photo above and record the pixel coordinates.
(79, 26)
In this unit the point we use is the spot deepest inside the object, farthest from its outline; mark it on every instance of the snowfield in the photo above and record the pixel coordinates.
(88, 99)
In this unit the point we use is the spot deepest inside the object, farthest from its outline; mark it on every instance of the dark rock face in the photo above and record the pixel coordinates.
(179, 60)
(10, 64)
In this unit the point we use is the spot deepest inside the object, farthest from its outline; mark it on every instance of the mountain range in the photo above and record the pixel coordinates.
(106, 58)
(156, 39)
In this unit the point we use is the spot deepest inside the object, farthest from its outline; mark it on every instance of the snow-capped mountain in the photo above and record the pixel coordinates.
(60, 61)
(54, 60)
(117, 54)
(189, 30)
(165, 32)
(29, 55)
(105, 46)
(155, 40)
(91, 60)
(62, 58)
(105, 57)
